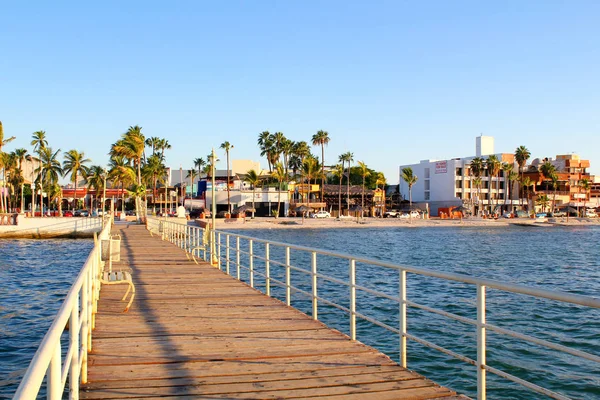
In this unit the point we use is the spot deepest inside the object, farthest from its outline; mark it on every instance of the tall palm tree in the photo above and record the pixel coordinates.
(199, 163)
(543, 201)
(338, 172)
(74, 164)
(120, 173)
(364, 172)
(477, 183)
(154, 142)
(253, 178)
(547, 169)
(493, 166)
(477, 166)
(507, 169)
(526, 183)
(132, 145)
(321, 138)
(3, 142)
(265, 143)
(95, 181)
(153, 172)
(511, 178)
(163, 144)
(410, 178)
(52, 170)
(343, 158)
(554, 181)
(227, 147)
(381, 181)
(21, 155)
(39, 142)
(585, 185)
(279, 175)
(522, 155)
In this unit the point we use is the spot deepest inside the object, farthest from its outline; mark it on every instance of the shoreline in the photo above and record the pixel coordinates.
(351, 222)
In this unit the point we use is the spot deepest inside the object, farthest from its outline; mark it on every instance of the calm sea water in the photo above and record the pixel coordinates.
(34, 276)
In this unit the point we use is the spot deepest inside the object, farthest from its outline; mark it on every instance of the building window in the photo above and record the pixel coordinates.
(459, 184)
(458, 171)
(426, 196)
(427, 173)
(427, 185)
(459, 195)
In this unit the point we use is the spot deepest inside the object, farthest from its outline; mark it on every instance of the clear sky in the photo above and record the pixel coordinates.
(394, 82)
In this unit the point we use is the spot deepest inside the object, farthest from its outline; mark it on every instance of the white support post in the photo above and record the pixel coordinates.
(54, 379)
(267, 271)
(227, 254)
(237, 256)
(74, 345)
(288, 278)
(481, 345)
(402, 290)
(352, 275)
(83, 338)
(219, 251)
(251, 262)
(315, 305)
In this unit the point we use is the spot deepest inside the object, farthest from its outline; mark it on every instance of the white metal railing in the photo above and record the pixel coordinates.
(219, 251)
(77, 314)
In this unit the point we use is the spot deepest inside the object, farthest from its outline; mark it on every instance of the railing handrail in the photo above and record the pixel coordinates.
(515, 288)
(40, 365)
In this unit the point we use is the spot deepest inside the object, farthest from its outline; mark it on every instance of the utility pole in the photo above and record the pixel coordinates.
(214, 260)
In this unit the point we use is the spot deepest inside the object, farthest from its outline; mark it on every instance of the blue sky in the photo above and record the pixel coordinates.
(394, 82)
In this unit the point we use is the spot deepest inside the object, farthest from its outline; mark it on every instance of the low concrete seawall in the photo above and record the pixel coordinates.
(51, 227)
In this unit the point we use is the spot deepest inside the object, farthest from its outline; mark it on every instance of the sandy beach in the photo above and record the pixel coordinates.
(347, 222)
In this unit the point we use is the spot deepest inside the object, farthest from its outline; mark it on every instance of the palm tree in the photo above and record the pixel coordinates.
(585, 185)
(163, 144)
(74, 164)
(493, 166)
(227, 146)
(477, 183)
(321, 138)
(21, 155)
(477, 166)
(120, 172)
(287, 149)
(511, 178)
(547, 169)
(253, 179)
(50, 165)
(347, 157)
(279, 175)
(338, 172)
(364, 172)
(542, 201)
(381, 181)
(522, 155)
(191, 173)
(95, 181)
(2, 143)
(131, 146)
(266, 143)
(506, 169)
(310, 169)
(526, 182)
(554, 180)
(154, 142)
(410, 178)
(199, 163)
(153, 172)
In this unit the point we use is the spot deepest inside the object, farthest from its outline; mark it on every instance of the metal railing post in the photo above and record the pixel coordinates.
(83, 338)
(481, 373)
(315, 305)
(402, 290)
(251, 262)
(288, 278)
(227, 254)
(352, 275)
(219, 250)
(74, 345)
(267, 271)
(54, 380)
(237, 256)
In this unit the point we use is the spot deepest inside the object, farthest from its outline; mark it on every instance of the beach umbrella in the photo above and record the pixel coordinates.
(461, 209)
(302, 209)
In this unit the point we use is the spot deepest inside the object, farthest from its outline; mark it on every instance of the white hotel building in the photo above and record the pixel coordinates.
(447, 183)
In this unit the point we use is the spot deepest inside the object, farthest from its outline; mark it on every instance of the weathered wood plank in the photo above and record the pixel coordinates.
(194, 332)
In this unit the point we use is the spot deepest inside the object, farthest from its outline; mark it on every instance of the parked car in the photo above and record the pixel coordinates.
(541, 215)
(507, 215)
(521, 214)
(559, 214)
(591, 213)
(67, 213)
(81, 213)
(321, 214)
(392, 214)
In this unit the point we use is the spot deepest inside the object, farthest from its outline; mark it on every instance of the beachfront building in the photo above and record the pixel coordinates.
(570, 170)
(450, 183)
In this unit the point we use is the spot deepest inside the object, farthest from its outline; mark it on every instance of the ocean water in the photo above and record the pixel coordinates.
(556, 258)
(35, 275)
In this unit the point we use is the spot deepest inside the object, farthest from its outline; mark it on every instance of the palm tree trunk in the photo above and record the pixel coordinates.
(279, 200)
(340, 197)
(322, 171)
(348, 190)
(228, 201)
(253, 196)
(362, 204)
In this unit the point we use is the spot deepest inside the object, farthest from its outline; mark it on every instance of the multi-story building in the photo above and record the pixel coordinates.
(448, 183)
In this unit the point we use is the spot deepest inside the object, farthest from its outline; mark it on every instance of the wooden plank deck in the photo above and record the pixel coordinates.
(194, 332)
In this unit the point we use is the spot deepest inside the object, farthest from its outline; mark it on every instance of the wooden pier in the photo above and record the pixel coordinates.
(195, 332)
